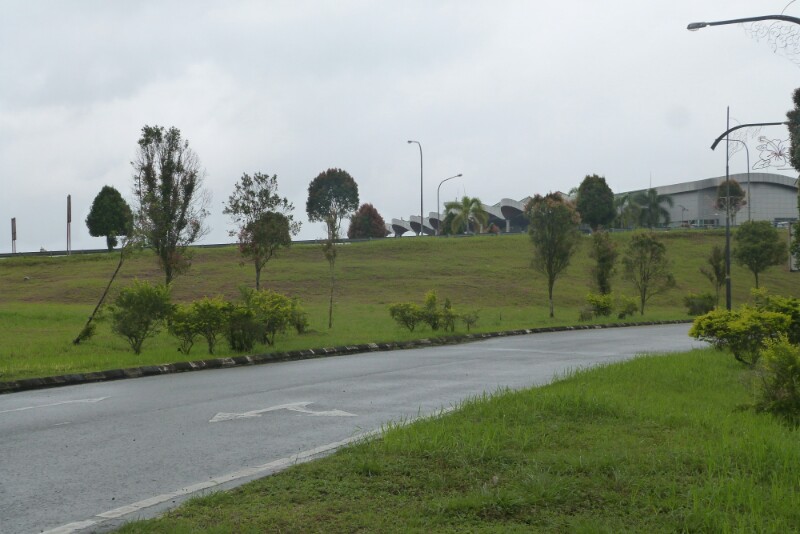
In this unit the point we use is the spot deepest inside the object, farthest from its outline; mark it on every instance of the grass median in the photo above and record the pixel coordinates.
(656, 444)
(44, 301)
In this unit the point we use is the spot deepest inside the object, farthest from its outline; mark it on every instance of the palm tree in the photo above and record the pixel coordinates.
(652, 213)
(627, 212)
(468, 212)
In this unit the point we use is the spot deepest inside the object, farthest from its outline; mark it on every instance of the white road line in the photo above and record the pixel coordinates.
(71, 527)
(274, 467)
(301, 407)
(79, 401)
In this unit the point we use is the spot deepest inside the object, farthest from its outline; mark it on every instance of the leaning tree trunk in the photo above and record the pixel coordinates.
(84, 333)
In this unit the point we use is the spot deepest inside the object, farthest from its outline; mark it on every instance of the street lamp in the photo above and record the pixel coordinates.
(420, 184)
(438, 213)
(694, 26)
(728, 194)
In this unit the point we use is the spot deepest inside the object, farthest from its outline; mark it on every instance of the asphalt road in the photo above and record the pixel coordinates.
(89, 457)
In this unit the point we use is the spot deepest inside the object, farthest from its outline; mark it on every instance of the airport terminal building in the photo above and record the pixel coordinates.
(770, 197)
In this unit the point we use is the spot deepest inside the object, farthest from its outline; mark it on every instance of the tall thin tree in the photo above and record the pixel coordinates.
(554, 233)
(332, 196)
(172, 202)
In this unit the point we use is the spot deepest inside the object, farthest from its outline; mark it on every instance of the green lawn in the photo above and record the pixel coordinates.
(45, 301)
(657, 444)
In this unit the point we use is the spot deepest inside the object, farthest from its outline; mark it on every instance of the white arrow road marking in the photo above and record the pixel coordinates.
(79, 401)
(294, 407)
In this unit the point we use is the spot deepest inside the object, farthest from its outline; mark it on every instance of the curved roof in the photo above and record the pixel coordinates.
(512, 212)
(399, 227)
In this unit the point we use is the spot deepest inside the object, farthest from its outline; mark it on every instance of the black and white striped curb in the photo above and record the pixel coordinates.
(256, 359)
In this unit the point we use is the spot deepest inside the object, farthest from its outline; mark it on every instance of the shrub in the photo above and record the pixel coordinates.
(699, 304)
(272, 311)
(243, 329)
(779, 388)
(601, 305)
(409, 315)
(406, 314)
(210, 318)
(788, 306)
(448, 317)
(744, 332)
(139, 311)
(626, 306)
(298, 317)
(430, 312)
(469, 319)
(182, 326)
(586, 314)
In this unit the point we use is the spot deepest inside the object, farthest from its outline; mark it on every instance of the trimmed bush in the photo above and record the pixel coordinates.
(601, 305)
(406, 314)
(182, 326)
(139, 311)
(272, 310)
(745, 332)
(243, 330)
(210, 319)
(788, 306)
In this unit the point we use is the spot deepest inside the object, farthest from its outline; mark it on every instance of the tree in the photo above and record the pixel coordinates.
(332, 196)
(758, 246)
(794, 157)
(604, 253)
(447, 224)
(109, 216)
(730, 193)
(716, 270)
(264, 219)
(554, 234)
(595, 202)
(366, 223)
(646, 266)
(261, 239)
(172, 203)
(650, 205)
(627, 213)
(467, 214)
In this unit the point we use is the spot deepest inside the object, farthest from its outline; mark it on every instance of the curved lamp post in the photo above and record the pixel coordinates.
(421, 224)
(438, 213)
(694, 26)
(727, 210)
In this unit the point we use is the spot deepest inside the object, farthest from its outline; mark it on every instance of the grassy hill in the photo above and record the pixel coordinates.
(44, 301)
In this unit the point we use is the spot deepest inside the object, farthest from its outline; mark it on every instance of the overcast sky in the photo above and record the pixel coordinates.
(522, 97)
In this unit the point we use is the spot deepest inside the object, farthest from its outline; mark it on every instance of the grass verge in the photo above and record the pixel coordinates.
(44, 301)
(657, 444)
